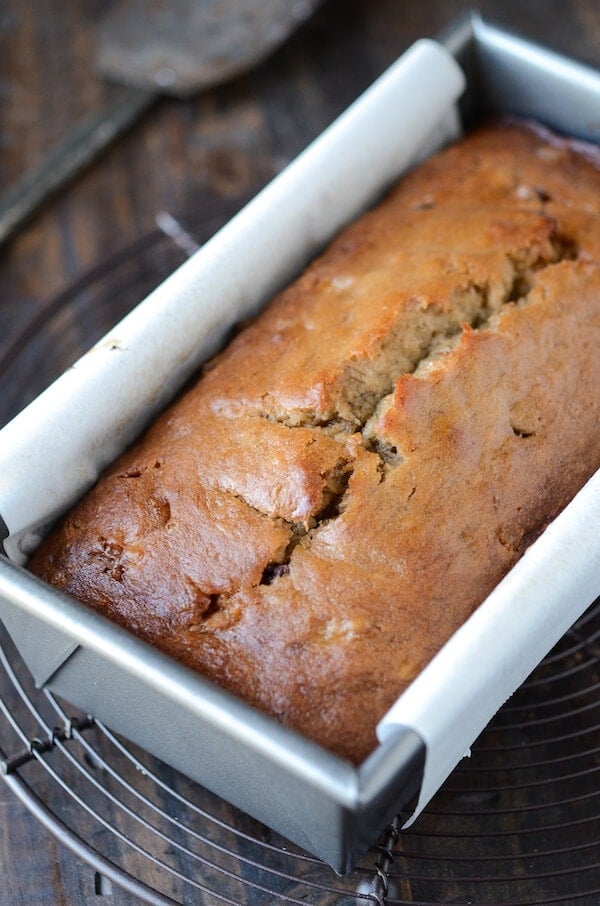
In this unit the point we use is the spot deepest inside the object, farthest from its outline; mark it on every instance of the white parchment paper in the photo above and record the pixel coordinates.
(55, 449)
(453, 699)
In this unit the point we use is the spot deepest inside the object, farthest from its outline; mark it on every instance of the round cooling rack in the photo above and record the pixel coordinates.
(517, 823)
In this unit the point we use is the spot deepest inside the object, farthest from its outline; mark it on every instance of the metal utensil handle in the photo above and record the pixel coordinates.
(82, 145)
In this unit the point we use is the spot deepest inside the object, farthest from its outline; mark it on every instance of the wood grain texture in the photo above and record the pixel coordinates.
(184, 157)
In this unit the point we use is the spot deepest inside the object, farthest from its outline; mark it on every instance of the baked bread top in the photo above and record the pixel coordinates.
(349, 479)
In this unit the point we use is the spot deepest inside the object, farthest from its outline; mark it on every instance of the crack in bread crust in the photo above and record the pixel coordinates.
(516, 292)
(522, 270)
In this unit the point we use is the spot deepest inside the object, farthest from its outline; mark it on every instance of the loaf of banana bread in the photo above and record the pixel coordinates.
(346, 482)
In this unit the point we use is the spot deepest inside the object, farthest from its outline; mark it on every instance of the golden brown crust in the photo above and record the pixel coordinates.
(360, 467)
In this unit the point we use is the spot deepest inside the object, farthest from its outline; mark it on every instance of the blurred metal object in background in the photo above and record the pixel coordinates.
(181, 46)
(156, 47)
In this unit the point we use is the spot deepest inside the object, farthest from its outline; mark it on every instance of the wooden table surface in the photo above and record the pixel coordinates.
(183, 156)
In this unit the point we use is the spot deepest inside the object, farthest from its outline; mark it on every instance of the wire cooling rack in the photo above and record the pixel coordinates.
(517, 823)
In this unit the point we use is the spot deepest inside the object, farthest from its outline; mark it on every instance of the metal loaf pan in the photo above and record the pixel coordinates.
(319, 801)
